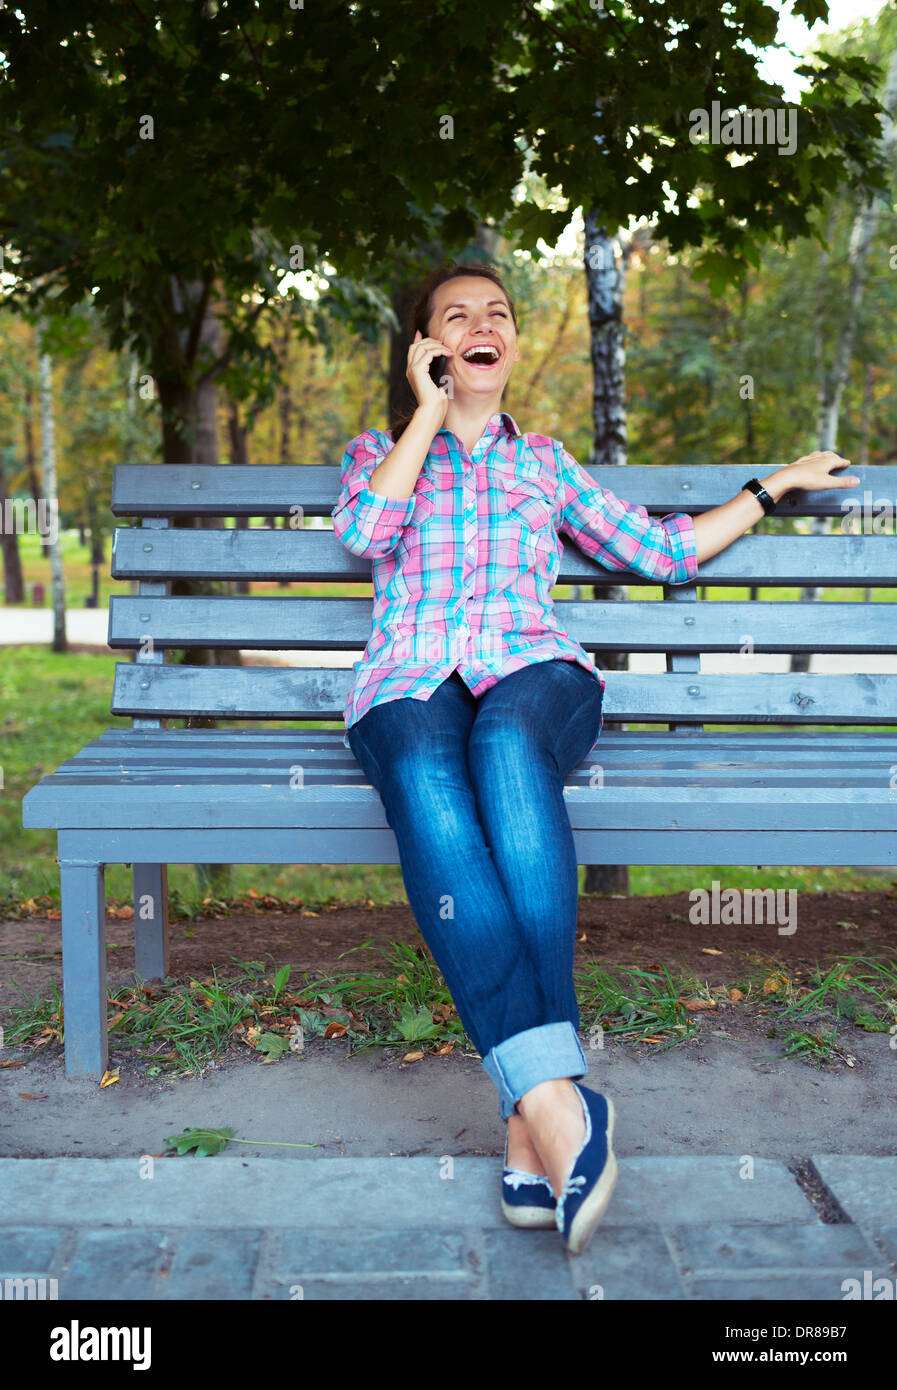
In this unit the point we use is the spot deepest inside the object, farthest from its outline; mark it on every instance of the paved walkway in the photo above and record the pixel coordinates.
(431, 1229)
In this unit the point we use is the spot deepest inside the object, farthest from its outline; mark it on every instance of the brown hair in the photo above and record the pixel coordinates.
(422, 309)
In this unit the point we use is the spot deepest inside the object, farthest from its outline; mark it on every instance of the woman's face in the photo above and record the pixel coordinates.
(469, 313)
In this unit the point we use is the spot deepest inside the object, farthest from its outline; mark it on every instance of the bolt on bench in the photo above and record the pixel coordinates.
(150, 796)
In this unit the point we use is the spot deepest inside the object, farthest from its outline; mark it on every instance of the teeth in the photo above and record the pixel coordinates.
(483, 347)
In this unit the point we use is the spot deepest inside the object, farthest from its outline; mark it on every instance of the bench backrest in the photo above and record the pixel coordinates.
(681, 625)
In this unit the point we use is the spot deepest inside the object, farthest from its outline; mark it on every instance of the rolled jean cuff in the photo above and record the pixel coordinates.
(538, 1054)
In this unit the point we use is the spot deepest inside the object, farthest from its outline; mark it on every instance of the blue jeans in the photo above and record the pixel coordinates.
(473, 790)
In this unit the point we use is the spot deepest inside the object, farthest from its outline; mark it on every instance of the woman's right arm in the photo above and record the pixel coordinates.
(400, 470)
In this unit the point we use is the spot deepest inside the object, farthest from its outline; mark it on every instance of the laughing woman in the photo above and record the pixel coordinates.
(471, 705)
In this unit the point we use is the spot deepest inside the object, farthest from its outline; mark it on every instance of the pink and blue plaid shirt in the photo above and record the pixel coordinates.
(463, 568)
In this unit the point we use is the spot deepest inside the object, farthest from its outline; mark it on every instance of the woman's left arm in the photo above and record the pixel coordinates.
(719, 527)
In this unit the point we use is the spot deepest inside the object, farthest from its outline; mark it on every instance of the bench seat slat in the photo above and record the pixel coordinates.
(756, 742)
(231, 802)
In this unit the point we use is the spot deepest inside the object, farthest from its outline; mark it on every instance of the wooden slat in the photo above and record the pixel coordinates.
(330, 766)
(603, 844)
(320, 693)
(269, 800)
(226, 553)
(642, 747)
(272, 490)
(648, 625)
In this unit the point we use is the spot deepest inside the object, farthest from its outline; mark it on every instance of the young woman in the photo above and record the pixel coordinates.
(471, 705)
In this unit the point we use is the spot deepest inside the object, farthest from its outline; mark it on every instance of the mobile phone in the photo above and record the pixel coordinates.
(437, 369)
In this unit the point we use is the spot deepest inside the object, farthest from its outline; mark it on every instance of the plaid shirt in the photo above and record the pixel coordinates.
(463, 568)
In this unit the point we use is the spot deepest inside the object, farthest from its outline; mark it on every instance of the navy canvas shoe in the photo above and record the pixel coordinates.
(527, 1199)
(587, 1190)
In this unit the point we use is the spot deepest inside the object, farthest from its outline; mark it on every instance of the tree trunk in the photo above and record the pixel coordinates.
(54, 542)
(13, 582)
(236, 436)
(31, 472)
(604, 281)
(400, 398)
(190, 435)
(833, 382)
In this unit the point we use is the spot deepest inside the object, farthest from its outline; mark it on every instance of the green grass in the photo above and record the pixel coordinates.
(180, 1028)
(395, 996)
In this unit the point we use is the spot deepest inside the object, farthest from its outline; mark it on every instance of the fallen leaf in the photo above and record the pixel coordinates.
(412, 1056)
(444, 1049)
(709, 951)
(652, 1040)
(404, 978)
(735, 994)
(336, 1030)
(206, 1142)
(848, 926)
(28, 1095)
(109, 1078)
(12, 1064)
(772, 984)
(582, 938)
(696, 1005)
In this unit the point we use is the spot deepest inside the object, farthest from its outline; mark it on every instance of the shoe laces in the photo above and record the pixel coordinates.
(517, 1178)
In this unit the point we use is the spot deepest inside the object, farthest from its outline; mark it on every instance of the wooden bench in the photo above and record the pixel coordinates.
(150, 796)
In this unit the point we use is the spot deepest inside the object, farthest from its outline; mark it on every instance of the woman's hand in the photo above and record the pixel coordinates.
(420, 354)
(813, 472)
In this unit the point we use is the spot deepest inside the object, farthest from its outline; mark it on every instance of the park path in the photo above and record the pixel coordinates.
(424, 1229)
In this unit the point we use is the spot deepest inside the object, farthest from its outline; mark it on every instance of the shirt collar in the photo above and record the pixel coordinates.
(509, 423)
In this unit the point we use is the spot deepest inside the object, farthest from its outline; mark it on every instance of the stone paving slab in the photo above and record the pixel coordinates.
(771, 1249)
(358, 1193)
(678, 1229)
(865, 1187)
(632, 1264)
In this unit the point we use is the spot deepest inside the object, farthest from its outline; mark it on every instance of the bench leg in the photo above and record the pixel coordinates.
(151, 921)
(82, 891)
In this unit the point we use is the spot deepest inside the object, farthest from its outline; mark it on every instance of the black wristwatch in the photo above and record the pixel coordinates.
(756, 487)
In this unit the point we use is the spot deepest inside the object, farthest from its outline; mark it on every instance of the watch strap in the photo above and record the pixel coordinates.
(756, 487)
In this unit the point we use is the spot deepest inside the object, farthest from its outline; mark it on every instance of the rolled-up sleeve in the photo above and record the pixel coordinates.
(621, 535)
(365, 522)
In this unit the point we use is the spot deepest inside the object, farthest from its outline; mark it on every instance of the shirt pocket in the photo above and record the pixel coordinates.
(525, 514)
(424, 495)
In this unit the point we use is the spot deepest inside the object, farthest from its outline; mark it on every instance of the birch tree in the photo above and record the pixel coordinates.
(50, 498)
(833, 379)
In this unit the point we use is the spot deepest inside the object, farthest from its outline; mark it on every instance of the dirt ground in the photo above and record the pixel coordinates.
(625, 931)
(728, 1089)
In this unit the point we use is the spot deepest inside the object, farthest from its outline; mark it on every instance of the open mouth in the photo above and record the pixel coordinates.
(483, 355)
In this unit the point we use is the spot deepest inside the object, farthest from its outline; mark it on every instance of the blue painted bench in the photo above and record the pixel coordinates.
(778, 792)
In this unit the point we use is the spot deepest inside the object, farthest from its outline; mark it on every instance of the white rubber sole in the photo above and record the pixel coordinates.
(593, 1208)
(529, 1218)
